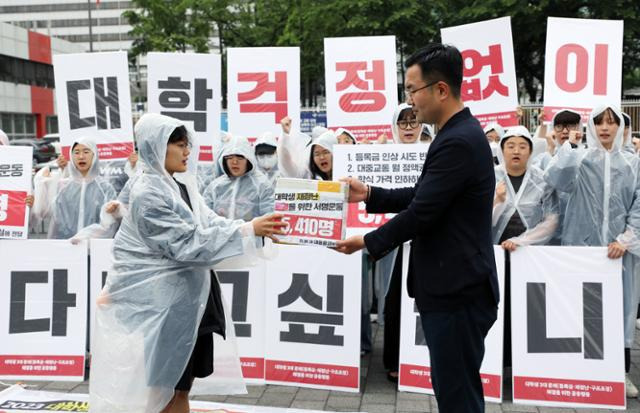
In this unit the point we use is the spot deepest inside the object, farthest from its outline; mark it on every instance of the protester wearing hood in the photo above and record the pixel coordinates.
(266, 151)
(243, 192)
(566, 125)
(321, 157)
(525, 210)
(494, 133)
(345, 137)
(405, 128)
(294, 149)
(602, 209)
(161, 304)
(317, 131)
(74, 202)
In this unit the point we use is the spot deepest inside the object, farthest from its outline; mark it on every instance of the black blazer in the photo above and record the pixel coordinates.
(447, 216)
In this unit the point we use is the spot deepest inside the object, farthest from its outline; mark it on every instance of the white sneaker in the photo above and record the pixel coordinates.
(632, 390)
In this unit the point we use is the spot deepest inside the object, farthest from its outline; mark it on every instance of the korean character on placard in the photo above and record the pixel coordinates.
(327, 313)
(16, 170)
(420, 340)
(278, 106)
(471, 89)
(5, 170)
(325, 228)
(176, 96)
(239, 299)
(372, 98)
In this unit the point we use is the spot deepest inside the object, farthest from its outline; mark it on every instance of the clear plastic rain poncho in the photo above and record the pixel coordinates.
(603, 206)
(74, 202)
(293, 152)
(535, 202)
(268, 164)
(244, 197)
(495, 147)
(155, 294)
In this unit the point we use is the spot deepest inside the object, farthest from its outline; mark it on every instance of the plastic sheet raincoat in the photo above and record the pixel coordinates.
(603, 188)
(74, 202)
(149, 311)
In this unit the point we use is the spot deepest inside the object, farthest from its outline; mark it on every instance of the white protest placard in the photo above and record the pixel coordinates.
(567, 329)
(489, 87)
(93, 100)
(43, 331)
(361, 83)
(187, 86)
(583, 64)
(314, 211)
(15, 185)
(263, 86)
(387, 166)
(100, 260)
(312, 319)
(415, 371)
(244, 290)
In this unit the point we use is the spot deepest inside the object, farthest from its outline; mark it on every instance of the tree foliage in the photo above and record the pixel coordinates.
(178, 25)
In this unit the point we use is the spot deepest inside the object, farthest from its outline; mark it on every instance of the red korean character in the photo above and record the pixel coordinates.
(262, 85)
(373, 80)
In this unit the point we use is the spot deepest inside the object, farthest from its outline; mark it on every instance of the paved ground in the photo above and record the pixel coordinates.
(377, 395)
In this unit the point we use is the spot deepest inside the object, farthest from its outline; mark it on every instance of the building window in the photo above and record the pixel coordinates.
(52, 124)
(19, 125)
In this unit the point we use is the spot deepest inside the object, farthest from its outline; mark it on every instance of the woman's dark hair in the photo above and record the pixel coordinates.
(406, 114)
(627, 120)
(226, 168)
(179, 134)
(315, 171)
(598, 119)
(439, 62)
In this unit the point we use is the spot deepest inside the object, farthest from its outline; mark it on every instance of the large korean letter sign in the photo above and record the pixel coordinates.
(313, 321)
(243, 287)
(567, 339)
(43, 324)
(361, 83)
(15, 184)
(489, 86)
(583, 64)
(388, 166)
(263, 86)
(186, 86)
(93, 100)
(415, 371)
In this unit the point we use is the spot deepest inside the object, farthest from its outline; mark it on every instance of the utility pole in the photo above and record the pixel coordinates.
(90, 27)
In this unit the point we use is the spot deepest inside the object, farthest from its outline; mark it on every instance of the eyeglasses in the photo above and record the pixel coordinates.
(408, 124)
(321, 154)
(411, 92)
(569, 126)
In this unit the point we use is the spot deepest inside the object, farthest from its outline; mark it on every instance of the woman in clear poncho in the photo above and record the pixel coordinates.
(74, 202)
(525, 209)
(242, 192)
(161, 303)
(405, 129)
(602, 185)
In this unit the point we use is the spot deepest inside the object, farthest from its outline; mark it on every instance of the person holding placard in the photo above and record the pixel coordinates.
(161, 304)
(74, 202)
(525, 209)
(447, 217)
(242, 192)
(603, 208)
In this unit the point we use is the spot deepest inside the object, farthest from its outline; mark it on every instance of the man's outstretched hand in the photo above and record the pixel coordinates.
(357, 190)
(350, 245)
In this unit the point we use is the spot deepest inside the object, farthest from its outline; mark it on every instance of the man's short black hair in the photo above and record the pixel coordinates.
(179, 134)
(439, 61)
(566, 118)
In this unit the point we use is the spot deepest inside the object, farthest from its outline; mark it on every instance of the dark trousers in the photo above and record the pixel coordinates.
(456, 346)
(393, 299)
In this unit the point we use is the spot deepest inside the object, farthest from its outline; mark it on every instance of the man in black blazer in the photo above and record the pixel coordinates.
(447, 218)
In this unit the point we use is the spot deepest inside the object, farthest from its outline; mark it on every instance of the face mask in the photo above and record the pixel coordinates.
(267, 162)
(494, 148)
